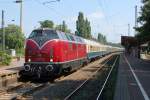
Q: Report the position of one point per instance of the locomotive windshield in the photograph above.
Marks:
(41, 36)
(48, 34)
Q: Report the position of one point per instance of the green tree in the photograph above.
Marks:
(14, 38)
(62, 27)
(58, 27)
(101, 38)
(83, 27)
(46, 24)
(144, 20)
(80, 25)
(65, 27)
(87, 30)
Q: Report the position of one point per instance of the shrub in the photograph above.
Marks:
(5, 58)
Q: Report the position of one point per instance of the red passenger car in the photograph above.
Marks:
(49, 52)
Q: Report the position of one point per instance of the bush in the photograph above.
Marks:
(20, 52)
(5, 58)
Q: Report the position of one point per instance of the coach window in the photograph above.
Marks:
(71, 37)
(75, 38)
(91, 48)
(88, 48)
(68, 37)
(80, 40)
(61, 35)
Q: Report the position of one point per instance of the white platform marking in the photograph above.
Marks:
(138, 82)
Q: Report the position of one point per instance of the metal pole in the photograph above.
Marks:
(128, 29)
(136, 25)
(3, 32)
(21, 14)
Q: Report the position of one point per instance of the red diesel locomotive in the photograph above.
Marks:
(49, 52)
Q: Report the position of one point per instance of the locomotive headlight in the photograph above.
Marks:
(27, 67)
(29, 60)
(51, 60)
(49, 68)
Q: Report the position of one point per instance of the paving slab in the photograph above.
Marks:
(127, 87)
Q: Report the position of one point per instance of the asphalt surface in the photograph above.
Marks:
(133, 81)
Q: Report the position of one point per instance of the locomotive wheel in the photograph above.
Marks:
(22, 77)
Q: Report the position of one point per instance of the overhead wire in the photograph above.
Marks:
(103, 9)
(54, 10)
(108, 17)
(101, 5)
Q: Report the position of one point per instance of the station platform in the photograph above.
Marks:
(9, 74)
(14, 63)
(133, 80)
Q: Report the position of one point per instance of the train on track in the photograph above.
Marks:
(50, 52)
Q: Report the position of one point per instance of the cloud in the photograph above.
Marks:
(95, 18)
(96, 15)
(74, 19)
(71, 19)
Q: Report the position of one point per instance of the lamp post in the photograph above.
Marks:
(21, 12)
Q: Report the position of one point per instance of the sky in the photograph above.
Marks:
(109, 17)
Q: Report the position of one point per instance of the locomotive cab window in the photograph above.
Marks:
(48, 34)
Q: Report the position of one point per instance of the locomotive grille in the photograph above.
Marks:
(36, 67)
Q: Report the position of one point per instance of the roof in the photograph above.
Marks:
(128, 41)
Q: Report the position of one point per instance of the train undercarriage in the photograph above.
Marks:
(50, 70)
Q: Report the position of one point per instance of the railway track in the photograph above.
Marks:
(58, 80)
(85, 90)
(63, 87)
(26, 90)
(21, 91)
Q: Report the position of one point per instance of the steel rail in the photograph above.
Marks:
(12, 95)
(34, 87)
(73, 92)
(8, 94)
(106, 79)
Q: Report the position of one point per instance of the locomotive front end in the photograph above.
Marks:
(40, 55)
